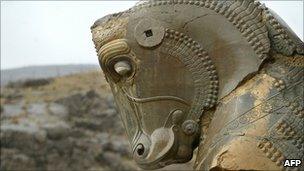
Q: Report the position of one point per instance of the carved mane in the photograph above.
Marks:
(217, 45)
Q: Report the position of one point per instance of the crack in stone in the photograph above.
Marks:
(193, 19)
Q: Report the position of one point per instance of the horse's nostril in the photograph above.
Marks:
(140, 149)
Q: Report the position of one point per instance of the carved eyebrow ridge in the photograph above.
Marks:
(113, 48)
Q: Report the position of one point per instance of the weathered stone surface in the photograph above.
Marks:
(65, 133)
(233, 68)
(11, 110)
(12, 159)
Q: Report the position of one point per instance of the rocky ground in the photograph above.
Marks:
(65, 123)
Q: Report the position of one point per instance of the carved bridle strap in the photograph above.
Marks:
(155, 98)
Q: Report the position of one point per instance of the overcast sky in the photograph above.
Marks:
(52, 32)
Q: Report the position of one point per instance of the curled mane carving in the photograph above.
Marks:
(220, 75)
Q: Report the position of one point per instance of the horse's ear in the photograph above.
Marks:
(232, 33)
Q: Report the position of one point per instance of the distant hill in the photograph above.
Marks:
(34, 72)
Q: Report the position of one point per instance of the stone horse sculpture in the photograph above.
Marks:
(225, 76)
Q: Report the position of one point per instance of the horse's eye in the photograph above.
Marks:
(122, 67)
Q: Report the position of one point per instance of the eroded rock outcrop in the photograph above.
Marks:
(42, 129)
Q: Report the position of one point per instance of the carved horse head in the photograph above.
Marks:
(168, 62)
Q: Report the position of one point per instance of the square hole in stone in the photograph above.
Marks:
(149, 33)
